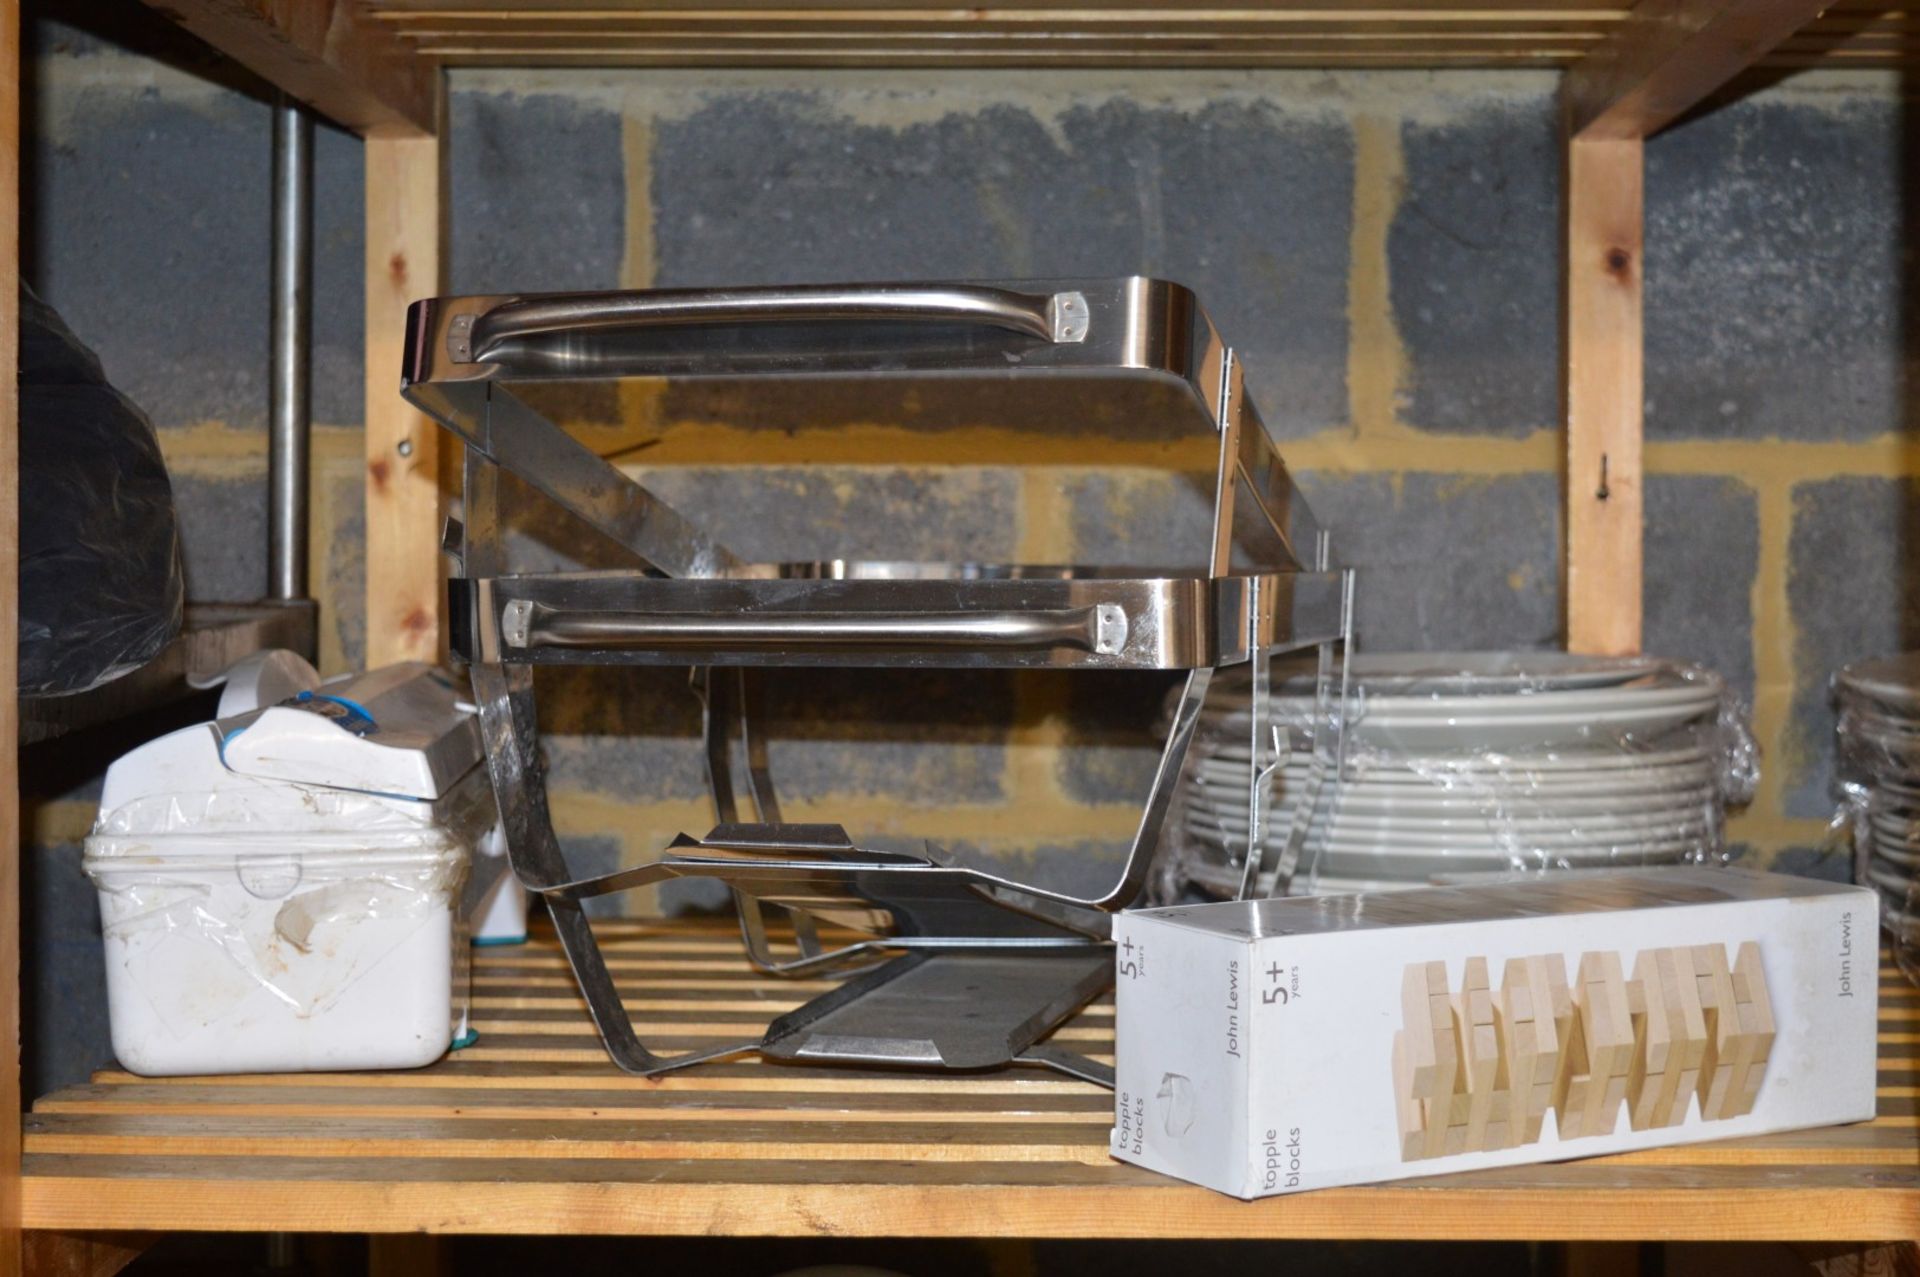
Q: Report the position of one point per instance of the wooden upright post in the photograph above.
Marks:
(10, 884)
(406, 610)
(1666, 59)
(1604, 396)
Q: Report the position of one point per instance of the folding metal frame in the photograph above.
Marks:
(1263, 584)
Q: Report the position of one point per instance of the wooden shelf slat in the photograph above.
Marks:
(493, 1140)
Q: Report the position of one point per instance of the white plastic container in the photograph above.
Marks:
(284, 890)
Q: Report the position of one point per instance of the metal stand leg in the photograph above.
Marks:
(1263, 755)
(1330, 721)
(504, 694)
(732, 700)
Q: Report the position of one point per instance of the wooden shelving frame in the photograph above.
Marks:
(375, 66)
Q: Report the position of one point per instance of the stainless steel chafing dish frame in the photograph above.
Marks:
(1264, 584)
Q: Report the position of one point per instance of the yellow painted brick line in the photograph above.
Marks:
(214, 449)
(1767, 832)
(1773, 643)
(1374, 441)
(58, 821)
(1376, 359)
(1785, 462)
(1035, 748)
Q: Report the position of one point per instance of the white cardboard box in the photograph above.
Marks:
(1274, 1046)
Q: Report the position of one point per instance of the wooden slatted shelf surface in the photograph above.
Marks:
(532, 1131)
(1321, 33)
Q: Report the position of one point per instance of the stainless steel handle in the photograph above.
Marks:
(1101, 628)
(1055, 317)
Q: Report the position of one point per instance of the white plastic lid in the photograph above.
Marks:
(399, 731)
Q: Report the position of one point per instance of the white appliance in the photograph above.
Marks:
(288, 888)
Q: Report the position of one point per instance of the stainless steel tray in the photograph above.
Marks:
(1041, 351)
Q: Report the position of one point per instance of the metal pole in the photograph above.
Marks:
(292, 323)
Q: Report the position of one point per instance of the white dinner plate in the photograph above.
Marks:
(1382, 804)
(1419, 767)
(1494, 673)
(1591, 828)
(1892, 681)
(1524, 848)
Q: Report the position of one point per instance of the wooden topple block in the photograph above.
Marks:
(1608, 1026)
(1479, 1069)
(1715, 981)
(1756, 1027)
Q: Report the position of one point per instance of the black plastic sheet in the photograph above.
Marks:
(101, 587)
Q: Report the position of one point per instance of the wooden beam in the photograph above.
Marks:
(10, 885)
(1603, 334)
(1669, 56)
(51, 1254)
(407, 1255)
(406, 591)
(326, 53)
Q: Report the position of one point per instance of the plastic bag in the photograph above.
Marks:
(1877, 785)
(101, 585)
(1460, 767)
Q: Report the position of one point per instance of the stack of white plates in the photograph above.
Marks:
(1461, 763)
(1879, 731)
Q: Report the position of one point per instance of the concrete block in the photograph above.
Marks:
(1140, 518)
(1850, 595)
(1776, 268)
(692, 898)
(223, 533)
(64, 987)
(920, 738)
(1116, 730)
(1474, 259)
(339, 278)
(802, 513)
(1702, 549)
(589, 857)
(1830, 863)
(1446, 561)
(340, 576)
(625, 732)
(1083, 868)
(759, 187)
(539, 193)
(148, 215)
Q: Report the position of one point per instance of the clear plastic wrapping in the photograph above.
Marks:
(287, 890)
(1452, 767)
(1877, 785)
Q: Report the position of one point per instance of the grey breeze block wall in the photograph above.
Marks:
(1382, 246)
